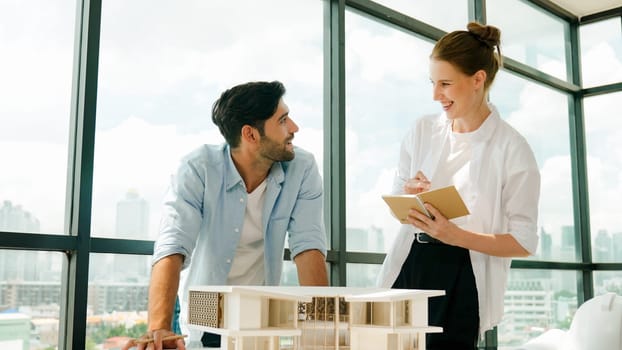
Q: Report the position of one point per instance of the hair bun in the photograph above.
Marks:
(489, 35)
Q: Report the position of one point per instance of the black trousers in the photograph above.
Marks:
(441, 266)
(210, 340)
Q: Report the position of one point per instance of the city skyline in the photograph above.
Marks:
(536, 300)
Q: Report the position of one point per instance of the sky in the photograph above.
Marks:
(162, 65)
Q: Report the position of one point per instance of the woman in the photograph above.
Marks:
(492, 166)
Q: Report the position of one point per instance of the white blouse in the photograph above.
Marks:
(501, 190)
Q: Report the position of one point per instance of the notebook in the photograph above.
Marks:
(447, 200)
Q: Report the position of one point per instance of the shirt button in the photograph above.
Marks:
(228, 261)
(241, 200)
(237, 230)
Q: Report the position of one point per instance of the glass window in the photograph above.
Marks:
(536, 301)
(601, 52)
(609, 281)
(603, 135)
(539, 43)
(434, 13)
(289, 276)
(161, 70)
(36, 67)
(30, 298)
(387, 89)
(117, 299)
(540, 114)
(362, 275)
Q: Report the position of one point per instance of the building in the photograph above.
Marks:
(29, 293)
(365, 239)
(266, 318)
(546, 245)
(567, 251)
(14, 331)
(117, 296)
(616, 245)
(603, 247)
(132, 217)
(14, 218)
(528, 308)
(132, 221)
(15, 264)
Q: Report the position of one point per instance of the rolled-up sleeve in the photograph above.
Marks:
(182, 214)
(306, 225)
(521, 195)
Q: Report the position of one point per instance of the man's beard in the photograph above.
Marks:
(276, 152)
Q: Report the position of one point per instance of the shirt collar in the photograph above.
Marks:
(486, 130)
(277, 174)
(233, 178)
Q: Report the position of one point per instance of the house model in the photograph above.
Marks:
(312, 318)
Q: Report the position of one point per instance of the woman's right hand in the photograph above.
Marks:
(417, 184)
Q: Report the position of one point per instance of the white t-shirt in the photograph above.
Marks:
(454, 164)
(248, 266)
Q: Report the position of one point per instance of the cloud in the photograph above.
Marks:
(312, 140)
(540, 108)
(34, 177)
(141, 156)
(378, 53)
(601, 52)
(556, 198)
(366, 208)
(36, 70)
(218, 43)
(599, 111)
(601, 65)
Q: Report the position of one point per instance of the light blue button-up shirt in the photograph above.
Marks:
(204, 212)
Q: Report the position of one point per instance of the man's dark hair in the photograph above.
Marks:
(246, 104)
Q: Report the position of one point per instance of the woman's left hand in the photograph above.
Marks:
(438, 226)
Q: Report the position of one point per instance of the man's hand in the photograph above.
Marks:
(156, 340)
(162, 294)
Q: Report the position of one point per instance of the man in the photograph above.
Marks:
(229, 207)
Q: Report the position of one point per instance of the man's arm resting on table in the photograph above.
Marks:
(163, 290)
(162, 293)
(311, 266)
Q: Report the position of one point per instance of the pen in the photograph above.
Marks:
(170, 337)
